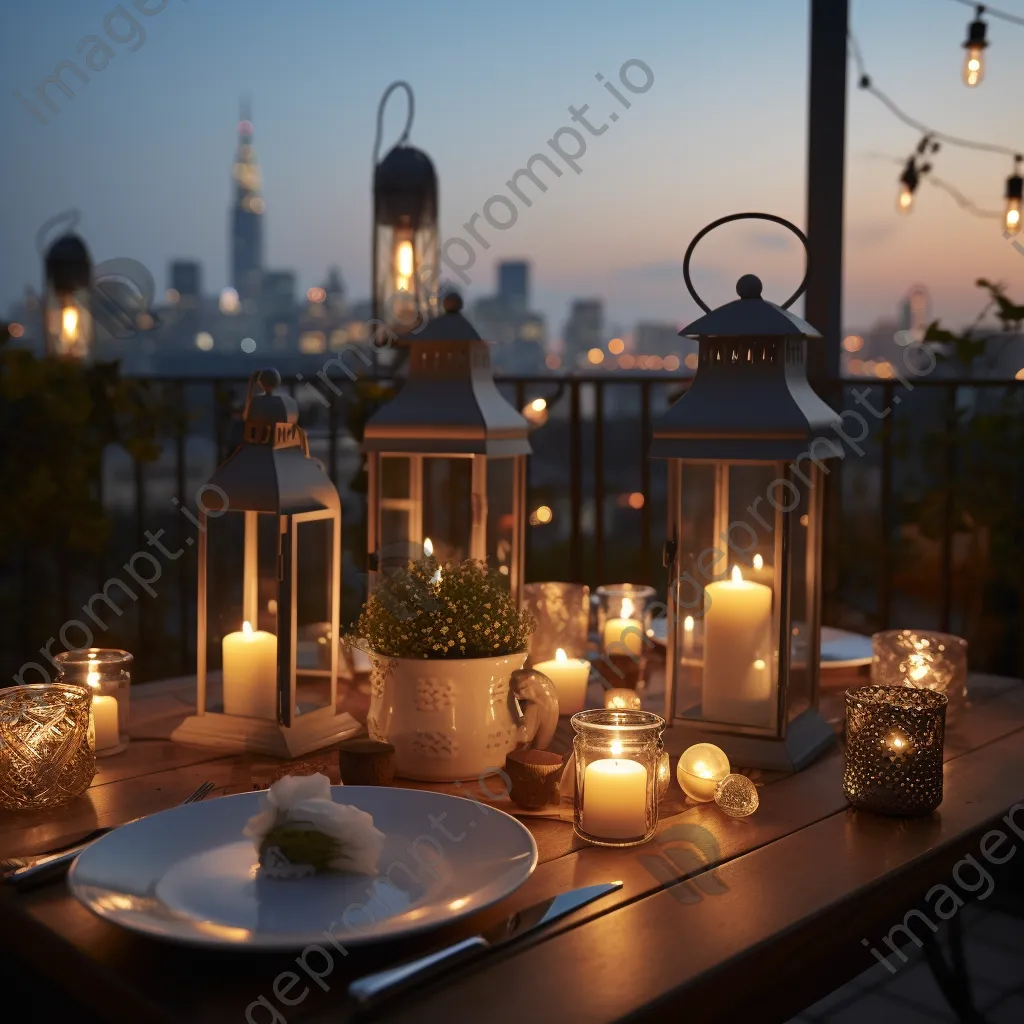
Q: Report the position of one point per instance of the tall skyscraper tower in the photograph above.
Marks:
(246, 215)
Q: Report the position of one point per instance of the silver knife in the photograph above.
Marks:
(372, 989)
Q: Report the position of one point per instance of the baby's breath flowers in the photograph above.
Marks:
(429, 610)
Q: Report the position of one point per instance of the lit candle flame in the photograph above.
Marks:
(688, 623)
(428, 548)
(758, 562)
(69, 323)
(627, 608)
(560, 655)
(616, 748)
(247, 630)
(737, 576)
(93, 678)
(403, 266)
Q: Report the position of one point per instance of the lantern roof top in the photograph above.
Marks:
(750, 314)
(449, 404)
(68, 265)
(404, 169)
(271, 470)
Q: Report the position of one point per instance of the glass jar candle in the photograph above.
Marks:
(922, 658)
(623, 617)
(45, 756)
(561, 612)
(618, 758)
(894, 741)
(106, 674)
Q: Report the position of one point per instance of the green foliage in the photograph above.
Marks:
(968, 348)
(56, 417)
(427, 610)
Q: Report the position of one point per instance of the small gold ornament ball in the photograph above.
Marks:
(737, 796)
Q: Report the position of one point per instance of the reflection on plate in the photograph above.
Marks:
(839, 649)
(189, 875)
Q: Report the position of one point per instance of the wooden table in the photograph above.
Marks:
(717, 920)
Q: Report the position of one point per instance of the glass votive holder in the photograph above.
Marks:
(700, 768)
(618, 757)
(923, 659)
(561, 612)
(894, 741)
(107, 675)
(45, 757)
(623, 614)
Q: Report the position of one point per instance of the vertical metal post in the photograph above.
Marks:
(826, 152)
(823, 304)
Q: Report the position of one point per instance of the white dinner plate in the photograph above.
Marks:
(189, 875)
(839, 649)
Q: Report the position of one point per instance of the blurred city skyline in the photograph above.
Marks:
(144, 149)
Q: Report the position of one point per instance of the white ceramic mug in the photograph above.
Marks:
(452, 720)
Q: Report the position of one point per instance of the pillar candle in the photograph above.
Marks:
(624, 631)
(570, 677)
(104, 718)
(615, 799)
(737, 685)
(250, 673)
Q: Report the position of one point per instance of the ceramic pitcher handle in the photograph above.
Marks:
(538, 693)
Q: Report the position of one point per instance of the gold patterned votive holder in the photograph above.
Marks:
(921, 658)
(107, 674)
(561, 612)
(894, 741)
(45, 756)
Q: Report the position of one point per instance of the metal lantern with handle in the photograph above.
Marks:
(67, 313)
(446, 458)
(269, 590)
(746, 449)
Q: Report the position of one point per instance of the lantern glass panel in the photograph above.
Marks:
(314, 632)
(399, 537)
(728, 607)
(242, 587)
(501, 518)
(804, 605)
(447, 506)
(404, 278)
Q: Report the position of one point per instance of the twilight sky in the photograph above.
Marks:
(145, 148)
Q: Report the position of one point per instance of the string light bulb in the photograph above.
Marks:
(908, 186)
(974, 50)
(1014, 196)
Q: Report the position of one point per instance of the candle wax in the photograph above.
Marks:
(615, 799)
(104, 717)
(569, 676)
(250, 674)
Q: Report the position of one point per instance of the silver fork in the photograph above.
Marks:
(27, 873)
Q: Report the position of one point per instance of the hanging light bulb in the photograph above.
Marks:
(974, 47)
(1014, 195)
(908, 185)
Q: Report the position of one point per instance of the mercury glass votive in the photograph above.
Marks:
(737, 796)
(923, 659)
(45, 756)
(561, 612)
(618, 756)
(107, 675)
(622, 619)
(621, 698)
(894, 739)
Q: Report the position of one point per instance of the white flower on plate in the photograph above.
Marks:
(305, 803)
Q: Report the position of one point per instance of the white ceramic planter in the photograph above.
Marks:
(451, 720)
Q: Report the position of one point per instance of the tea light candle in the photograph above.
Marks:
(700, 768)
(250, 673)
(615, 797)
(737, 685)
(104, 722)
(570, 677)
(624, 631)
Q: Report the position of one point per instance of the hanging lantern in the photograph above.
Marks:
(446, 458)
(67, 314)
(745, 449)
(269, 590)
(405, 245)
